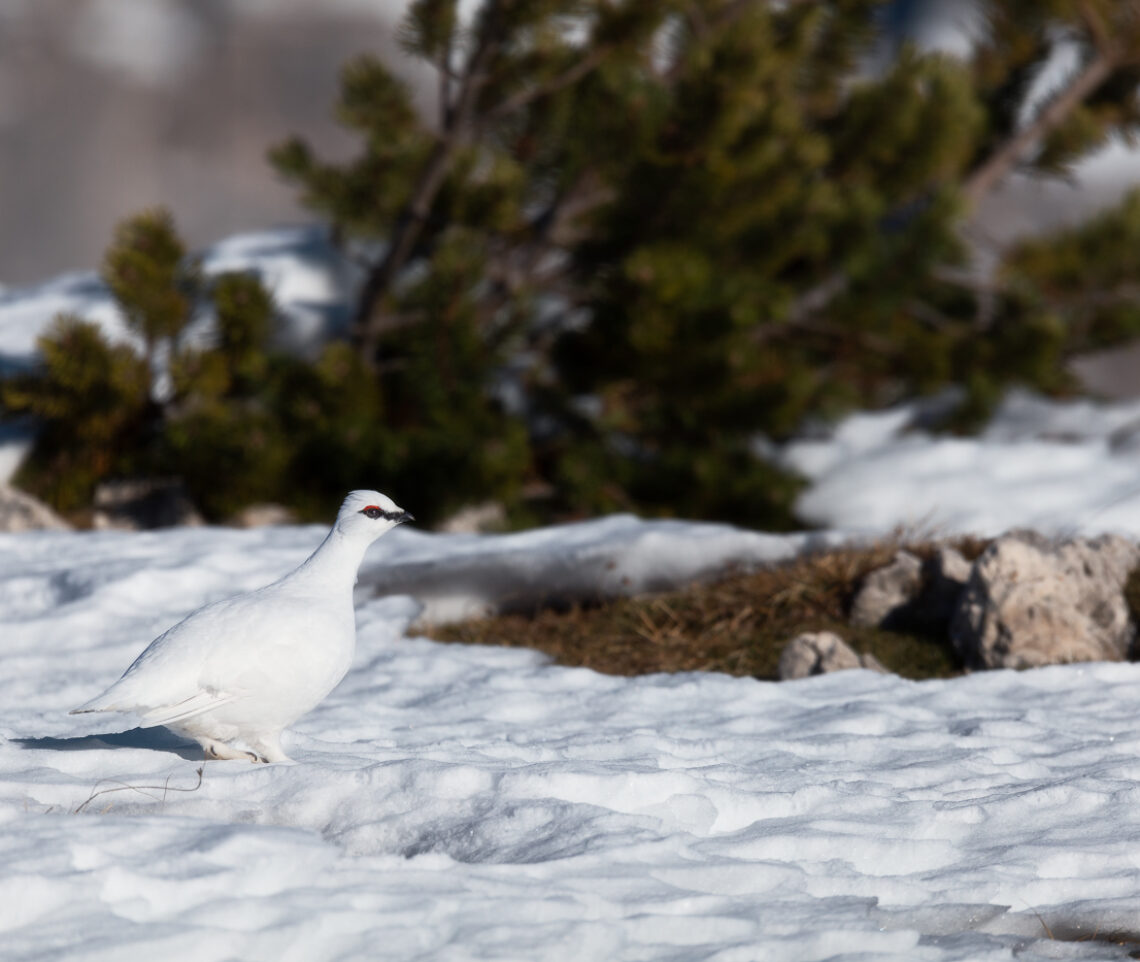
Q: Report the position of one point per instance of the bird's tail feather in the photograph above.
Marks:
(96, 704)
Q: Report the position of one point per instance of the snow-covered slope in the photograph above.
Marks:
(1058, 467)
(453, 802)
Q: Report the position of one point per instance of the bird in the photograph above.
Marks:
(235, 673)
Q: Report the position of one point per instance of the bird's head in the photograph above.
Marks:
(368, 514)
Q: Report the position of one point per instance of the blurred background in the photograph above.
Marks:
(835, 205)
(111, 106)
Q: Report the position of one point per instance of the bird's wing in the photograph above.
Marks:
(201, 701)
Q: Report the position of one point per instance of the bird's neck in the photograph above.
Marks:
(334, 563)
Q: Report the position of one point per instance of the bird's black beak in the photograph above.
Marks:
(404, 517)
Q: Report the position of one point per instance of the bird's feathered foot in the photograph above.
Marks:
(222, 752)
(261, 751)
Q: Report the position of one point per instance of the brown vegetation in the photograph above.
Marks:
(738, 625)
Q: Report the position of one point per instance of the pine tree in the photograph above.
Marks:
(637, 242)
(151, 279)
(99, 412)
(703, 222)
(90, 399)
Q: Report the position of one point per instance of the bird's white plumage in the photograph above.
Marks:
(235, 673)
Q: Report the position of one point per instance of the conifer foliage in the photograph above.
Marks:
(201, 394)
(106, 410)
(702, 221)
(635, 241)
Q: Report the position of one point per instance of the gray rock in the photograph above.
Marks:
(143, 504)
(21, 512)
(949, 565)
(819, 652)
(1030, 601)
(887, 589)
(912, 595)
(476, 519)
(261, 516)
(871, 663)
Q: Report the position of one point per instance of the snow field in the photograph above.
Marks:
(454, 802)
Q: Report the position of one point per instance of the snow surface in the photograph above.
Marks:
(1058, 467)
(456, 802)
(453, 802)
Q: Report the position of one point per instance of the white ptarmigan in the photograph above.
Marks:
(234, 674)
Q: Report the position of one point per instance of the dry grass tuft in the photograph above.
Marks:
(738, 625)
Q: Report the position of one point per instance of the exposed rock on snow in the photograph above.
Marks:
(484, 518)
(22, 512)
(261, 515)
(887, 589)
(1030, 602)
(819, 652)
(913, 594)
(143, 504)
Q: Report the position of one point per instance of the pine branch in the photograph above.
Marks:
(703, 28)
(445, 78)
(371, 316)
(1097, 30)
(815, 300)
(587, 65)
(999, 164)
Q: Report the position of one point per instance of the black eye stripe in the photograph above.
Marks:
(374, 512)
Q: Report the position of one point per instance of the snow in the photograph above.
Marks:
(463, 576)
(456, 802)
(1060, 467)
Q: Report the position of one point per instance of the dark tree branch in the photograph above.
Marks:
(578, 71)
(826, 330)
(998, 165)
(370, 319)
(1098, 30)
(815, 300)
(445, 78)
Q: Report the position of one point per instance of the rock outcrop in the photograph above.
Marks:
(887, 590)
(1031, 601)
(819, 652)
(261, 516)
(910, 594)
(22, 512)
(143, 504)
